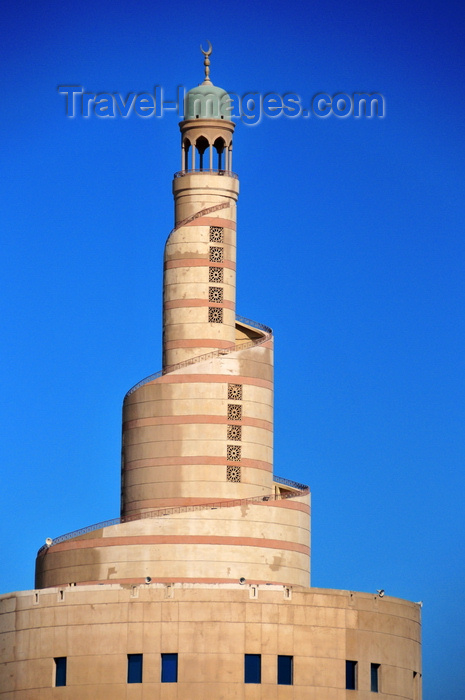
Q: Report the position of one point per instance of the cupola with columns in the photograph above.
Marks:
(206, 132)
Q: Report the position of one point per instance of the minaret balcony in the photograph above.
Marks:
(206, 171)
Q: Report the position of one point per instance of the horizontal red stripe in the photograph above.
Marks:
(187, 303)
(212, 540)
(211, 221)
(197, 262)
(175, 579)
(184, 461)
(200, 343)
(200, 419)
(175, 378)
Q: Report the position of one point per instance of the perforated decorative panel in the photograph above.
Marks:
(233, 473)
(216, 254)
(215, 294)
(234, 411)
(216, 234)
(235, 391)
(215, 315)
(215, 274)
(234, 432)
(233, 453)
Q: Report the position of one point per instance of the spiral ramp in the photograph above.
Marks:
(199, 502)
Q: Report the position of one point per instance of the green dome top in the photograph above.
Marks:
(206, 101)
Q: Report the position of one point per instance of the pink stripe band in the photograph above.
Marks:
(181, 540)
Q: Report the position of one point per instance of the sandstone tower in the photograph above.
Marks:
(201, 587)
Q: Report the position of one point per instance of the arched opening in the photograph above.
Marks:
(219, 145)
(203, 148)
(207, 151)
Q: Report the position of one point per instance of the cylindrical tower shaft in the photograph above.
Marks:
(199, 290)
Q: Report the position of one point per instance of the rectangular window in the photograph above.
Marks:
(374, 678)
(169, 668)
(252, 668)
(351, 675)
(416, 685)
(285, 668)
(60, 671)
(134, 668)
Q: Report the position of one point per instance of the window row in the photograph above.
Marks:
(169, 669)
(233, 452)
(352, 676)
(252, 670)
(215, 294)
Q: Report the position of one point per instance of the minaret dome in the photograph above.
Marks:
(206, 132)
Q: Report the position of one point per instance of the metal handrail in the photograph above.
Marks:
(215, 353)
(254, 324)
(207, 171)
(160, 512)
(288, 482)
(198, 215)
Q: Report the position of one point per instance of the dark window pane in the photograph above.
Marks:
(134, 668)
(374, 678)
(169, 668)
(351, 675)
(285, 664)
(60, 671)
(252, 668)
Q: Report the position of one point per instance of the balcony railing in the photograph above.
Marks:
(207, 171)
(288, 482)
(160, 512)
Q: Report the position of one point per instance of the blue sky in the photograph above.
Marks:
(350, 246)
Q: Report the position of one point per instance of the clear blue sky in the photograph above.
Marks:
(351, 247)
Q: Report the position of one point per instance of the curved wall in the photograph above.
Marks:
(263, 541)
(180, 437)
(200, 285)
(210, 628)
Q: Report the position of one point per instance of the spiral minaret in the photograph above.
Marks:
(199, 501)
(200, 588)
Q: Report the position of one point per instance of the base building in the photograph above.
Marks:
(201, 588)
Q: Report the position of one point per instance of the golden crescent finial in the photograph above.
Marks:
(209, 50)
(206, 63)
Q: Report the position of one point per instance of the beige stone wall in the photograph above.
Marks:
(263, 541)
(202, 433)
(180, 443)
(195, 192)
(190, 258)
(210, 628)
(177, 440)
